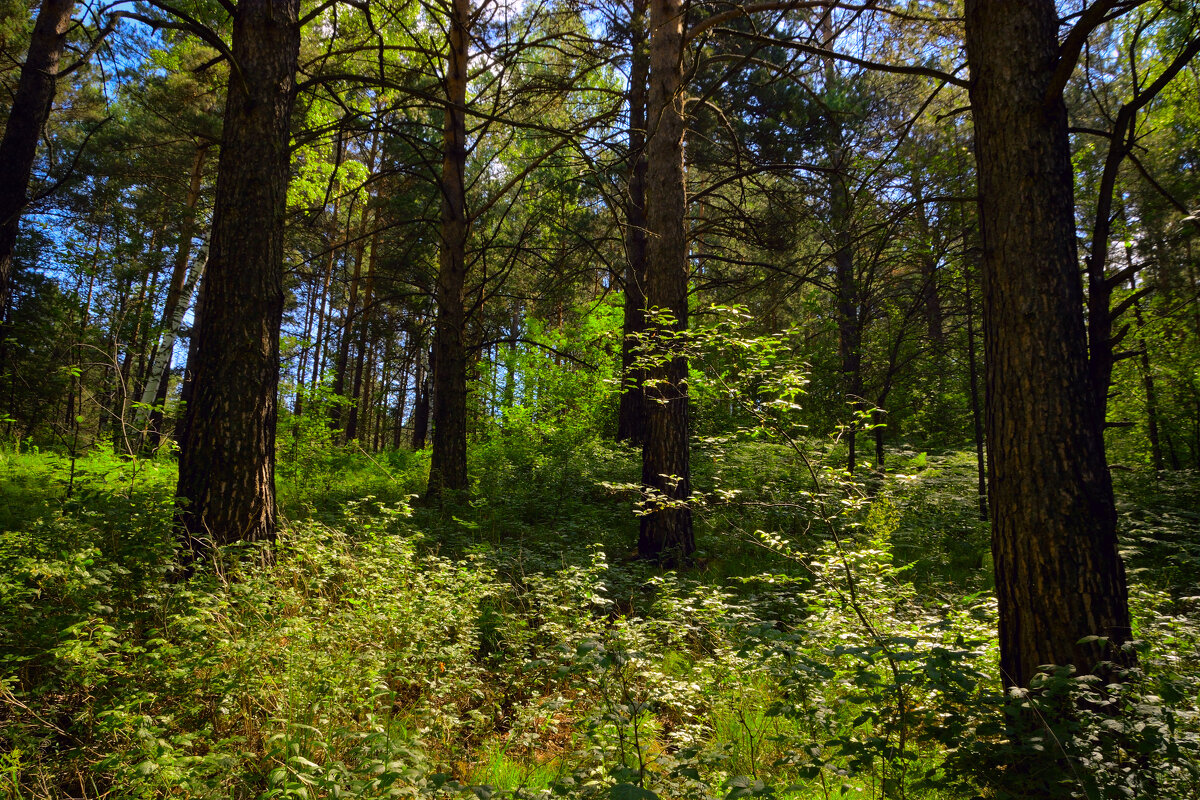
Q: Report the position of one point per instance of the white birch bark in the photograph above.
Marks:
(166, 347)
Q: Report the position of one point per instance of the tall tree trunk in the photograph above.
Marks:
(310, 316)
(402, 398)
(421, 402)
(150, 403)
(1156, 453)
(226, 487)
(26, 119)
(363, 326)
(976, 405)
(448, 465)
(849, 316)
(322, 313)
(631, 415)
(666, 527)
(1059, 577)
(147, 330)
(179, 275)
(339, 413)
(931, 298)
(187, 380)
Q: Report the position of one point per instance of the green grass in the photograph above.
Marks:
(509, 641)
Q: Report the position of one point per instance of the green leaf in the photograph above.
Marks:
(627, 791)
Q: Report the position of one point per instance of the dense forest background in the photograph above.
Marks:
(655, 398)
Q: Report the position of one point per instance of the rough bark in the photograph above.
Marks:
(448, 462)
(226, 487)
(631, 413)
(28, 115)
(1059, 576)
(666, 526)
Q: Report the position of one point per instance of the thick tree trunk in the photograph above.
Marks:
(631, 415)
(1059, 576)
(666, 527)
(448, 465)
(226, 487)
(28, 115)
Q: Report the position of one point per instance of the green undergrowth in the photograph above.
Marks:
(509, 645)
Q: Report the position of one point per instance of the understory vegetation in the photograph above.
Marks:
(510, 645)
(600, 399)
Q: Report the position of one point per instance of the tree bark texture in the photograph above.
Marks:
(226, 487)
(631, 413)
(448, 462)
(666, 527)
(28, 115)
(1059, 577)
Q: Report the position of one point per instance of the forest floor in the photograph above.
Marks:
(511, 644)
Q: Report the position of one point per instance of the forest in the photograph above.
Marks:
(613, 399)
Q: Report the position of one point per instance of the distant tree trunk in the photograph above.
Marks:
(339, 413)
(928, 261)
(1059, 577)
(179, 275)
(448, 466)
(147, 333)
(421, 402)
(402, 398)
(149, 403)
(380, 412)
(363, 325)
(226, 489)
(310, 316)
(976, 405)
(847, 300)
(1156, 453)
(666, 530)
(322, 301)
(26, 119)
(187, 382)
(632, 413)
